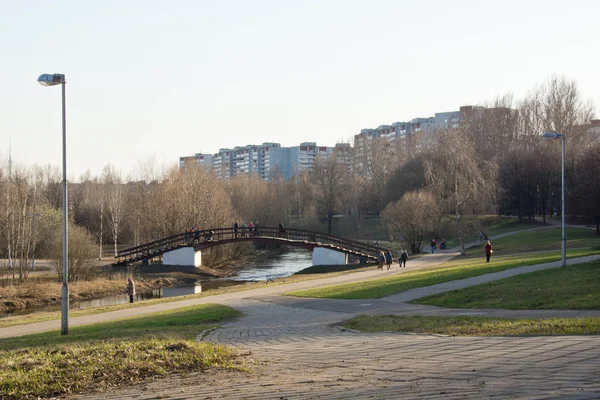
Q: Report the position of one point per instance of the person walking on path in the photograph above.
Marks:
(381, 260)
(433, 246)
(488, 251)
(403, 259)
(130, 289)
(389, 259)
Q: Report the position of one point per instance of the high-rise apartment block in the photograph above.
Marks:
(270, 160)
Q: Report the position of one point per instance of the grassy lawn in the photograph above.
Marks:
(475, 326)
(494, 225)
(575, 287)
(105, 355)
(545, 239)
(453, 270)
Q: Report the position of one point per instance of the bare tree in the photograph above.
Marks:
(330, 181)
(463, 186)
(412, 217)
(115, 201)
(588, 183)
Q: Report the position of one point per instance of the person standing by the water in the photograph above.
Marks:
(130, 289)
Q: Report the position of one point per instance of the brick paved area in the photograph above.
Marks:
(295, 353)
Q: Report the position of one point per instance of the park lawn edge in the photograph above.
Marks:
(571, 288)
(386, 286)
(473, 326)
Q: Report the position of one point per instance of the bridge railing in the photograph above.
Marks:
(157, 247)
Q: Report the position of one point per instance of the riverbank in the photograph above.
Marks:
(42, 289)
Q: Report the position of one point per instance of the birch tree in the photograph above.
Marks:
(115, 205)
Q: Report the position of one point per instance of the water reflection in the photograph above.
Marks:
(279, 266)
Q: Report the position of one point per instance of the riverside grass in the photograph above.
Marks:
(106, 355)
(382, 287)
(509, 252)
(474, 326)
(573, 288)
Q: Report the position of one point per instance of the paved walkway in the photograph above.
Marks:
(297, 351)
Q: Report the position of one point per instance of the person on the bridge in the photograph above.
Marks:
(403, 259)
(189, 234)
(251, 228)
(243, 230)
(209, 236)
(256, 228)
(197, 235)
(488, 251)
(381, 260)
(281, 230)
(433, 246)
(130, 289)
(389, 259)
(235, 229)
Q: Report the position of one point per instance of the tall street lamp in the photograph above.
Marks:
(53, 80)
(555, 135)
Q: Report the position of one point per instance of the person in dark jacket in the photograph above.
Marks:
(389, 259)
(403, 259)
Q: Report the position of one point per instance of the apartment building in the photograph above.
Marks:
(204, 160)
(222, 163)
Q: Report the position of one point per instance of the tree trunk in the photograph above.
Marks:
(101, 218)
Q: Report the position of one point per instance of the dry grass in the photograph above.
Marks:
(41, 291)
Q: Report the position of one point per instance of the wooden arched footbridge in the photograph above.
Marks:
(200, 240)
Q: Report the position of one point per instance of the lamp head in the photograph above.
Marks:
(552, 135)
(51, 79)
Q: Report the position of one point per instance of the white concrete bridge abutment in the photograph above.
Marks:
(183, 256)
(325, 256)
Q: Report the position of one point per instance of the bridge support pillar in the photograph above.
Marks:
(324, 256)
(183, 256)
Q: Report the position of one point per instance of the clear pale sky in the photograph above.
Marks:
(164, 79)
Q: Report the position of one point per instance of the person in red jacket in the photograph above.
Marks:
(488, 251)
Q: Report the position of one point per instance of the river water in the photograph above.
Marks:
(280, 265)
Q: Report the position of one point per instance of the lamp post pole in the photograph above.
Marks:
(64, 320)
(555, 135)
(52, 80)
(562, 212)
